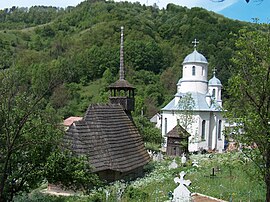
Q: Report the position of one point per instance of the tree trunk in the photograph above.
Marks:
(267, 174)
(3, 178)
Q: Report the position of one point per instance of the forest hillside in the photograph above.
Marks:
(81, 45)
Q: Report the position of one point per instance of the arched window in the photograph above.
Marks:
(203, 130)
(214, 93)
(219, 129)
(166, 122)
(193, 71)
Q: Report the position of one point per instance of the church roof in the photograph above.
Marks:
(199, 100)
(214, 81)
(178, 132)
(121, 83)
(109, 138)
(195, 56)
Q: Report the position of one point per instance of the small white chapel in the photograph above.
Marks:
(207, 123)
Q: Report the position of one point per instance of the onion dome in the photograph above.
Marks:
(196, 57)
(214, 81)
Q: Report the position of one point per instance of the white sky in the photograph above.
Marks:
(208, 4)
(235, 9)
(29, 3)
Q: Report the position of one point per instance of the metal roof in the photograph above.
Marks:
(214, 81)
(196, 57)
(199, 100)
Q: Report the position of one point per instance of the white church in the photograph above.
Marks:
(207, 124)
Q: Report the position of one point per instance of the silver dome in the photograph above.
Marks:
(195, 56)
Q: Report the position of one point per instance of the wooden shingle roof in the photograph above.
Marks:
(109, 138)
(178, 132)
(121, 83)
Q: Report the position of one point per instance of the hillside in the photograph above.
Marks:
(81, 44)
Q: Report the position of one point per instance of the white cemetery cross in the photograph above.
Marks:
(181, 193)
(150, 153)
(195, 163)
(183, 159)
(173, 165)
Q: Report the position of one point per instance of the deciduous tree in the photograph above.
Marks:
(28, 133)
(30, 136)
(186, 107)
(249, 103)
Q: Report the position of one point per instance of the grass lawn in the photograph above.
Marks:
(235, 178)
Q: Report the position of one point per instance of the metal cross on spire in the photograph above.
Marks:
(122, 68)
(214, 71)
(195, 42)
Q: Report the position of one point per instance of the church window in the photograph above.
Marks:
(219, 129)
(166, 122)
(203, 71)
(203, 130)
(214, 93)
(193, 71)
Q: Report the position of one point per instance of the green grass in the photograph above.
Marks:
(235, 178)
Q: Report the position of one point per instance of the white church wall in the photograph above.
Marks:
(197, 73)
(200, 87)
(194, 129)
(196, 143)
(198, 81)
(221, 140)
(203, 144)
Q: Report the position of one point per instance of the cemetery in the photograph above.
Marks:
(205, 177)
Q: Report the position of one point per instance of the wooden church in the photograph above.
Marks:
(107, 134)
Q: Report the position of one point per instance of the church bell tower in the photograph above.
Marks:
(122, 92)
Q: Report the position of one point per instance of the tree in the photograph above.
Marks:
(66, 169)
(249, 98)
(30, 135)
(148, 131)
(186, 106)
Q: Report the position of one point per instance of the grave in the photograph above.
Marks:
(173, 165)
(195, 163)
(181, 193)
(183, 159)
(158, 157)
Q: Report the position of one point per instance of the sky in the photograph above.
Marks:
(234, 9)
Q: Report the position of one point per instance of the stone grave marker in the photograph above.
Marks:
(173, 165)
(195, 163)
(181, 193)
(158, 157)
(183, 159)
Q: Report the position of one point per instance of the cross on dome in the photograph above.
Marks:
(195, 42)
(214, 71)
